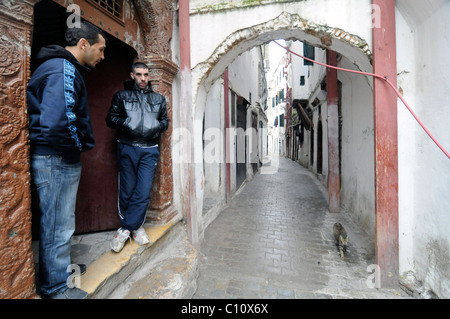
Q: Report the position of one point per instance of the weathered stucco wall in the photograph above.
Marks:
(357, 158)
(229, 28)
(424, 176)
(233, 31)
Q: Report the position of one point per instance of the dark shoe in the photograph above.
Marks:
(70, 293)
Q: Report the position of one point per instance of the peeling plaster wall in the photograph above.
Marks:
(423, 78)
(357, 158)
(353, 16)
(317, 22)
(215, 180)
(424, 185)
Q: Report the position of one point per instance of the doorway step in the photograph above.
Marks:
(165, 268)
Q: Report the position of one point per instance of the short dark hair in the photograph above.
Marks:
(140, 65)
(86, 30)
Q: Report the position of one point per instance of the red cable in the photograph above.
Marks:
(388, 82)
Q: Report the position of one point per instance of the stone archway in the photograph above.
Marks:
(285, 26)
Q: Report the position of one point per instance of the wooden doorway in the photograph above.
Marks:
(96, 208)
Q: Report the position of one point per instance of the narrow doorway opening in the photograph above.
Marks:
(319, 146)
(241, 141)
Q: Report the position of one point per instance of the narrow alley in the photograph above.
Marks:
(275, 240)
(347, 100)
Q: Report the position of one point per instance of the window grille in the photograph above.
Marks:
(113, 7)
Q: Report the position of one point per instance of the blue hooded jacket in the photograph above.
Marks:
(59, 117)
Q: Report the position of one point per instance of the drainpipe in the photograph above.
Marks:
(386, 150)
(333, 134)
(186, 107)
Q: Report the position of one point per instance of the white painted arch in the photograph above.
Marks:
(284, 26)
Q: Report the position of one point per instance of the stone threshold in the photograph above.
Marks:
(103, 274)
(108, 270)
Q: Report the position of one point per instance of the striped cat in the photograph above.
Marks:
(340, 237)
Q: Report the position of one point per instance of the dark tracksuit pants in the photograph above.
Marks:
(136, 169)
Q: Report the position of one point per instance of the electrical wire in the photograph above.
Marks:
(384, 78)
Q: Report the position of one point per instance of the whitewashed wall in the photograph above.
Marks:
(423, 43)
(243, 80)
(357, 158)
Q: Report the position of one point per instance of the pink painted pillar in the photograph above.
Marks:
(386, 151)
(187, 118)
(333, 134)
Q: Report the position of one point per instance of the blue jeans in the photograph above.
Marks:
(136, 170)
(57, 186)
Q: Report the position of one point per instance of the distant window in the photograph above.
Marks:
(281, 94)
(112, 7)
(282, 120)
(308, 52)
(302, 80)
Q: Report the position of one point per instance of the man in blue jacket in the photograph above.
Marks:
(60, 129)
(139, 115)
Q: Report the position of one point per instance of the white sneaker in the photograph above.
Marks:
(119, 239)
(140, 236)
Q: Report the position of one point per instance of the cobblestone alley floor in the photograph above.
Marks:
(275, 240)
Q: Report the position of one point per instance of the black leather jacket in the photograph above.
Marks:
(139, 116)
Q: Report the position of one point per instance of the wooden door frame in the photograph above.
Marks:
(16, 18)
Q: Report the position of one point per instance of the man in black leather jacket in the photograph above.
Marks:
(139, 115)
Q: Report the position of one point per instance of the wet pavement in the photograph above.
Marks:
(275, 240)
